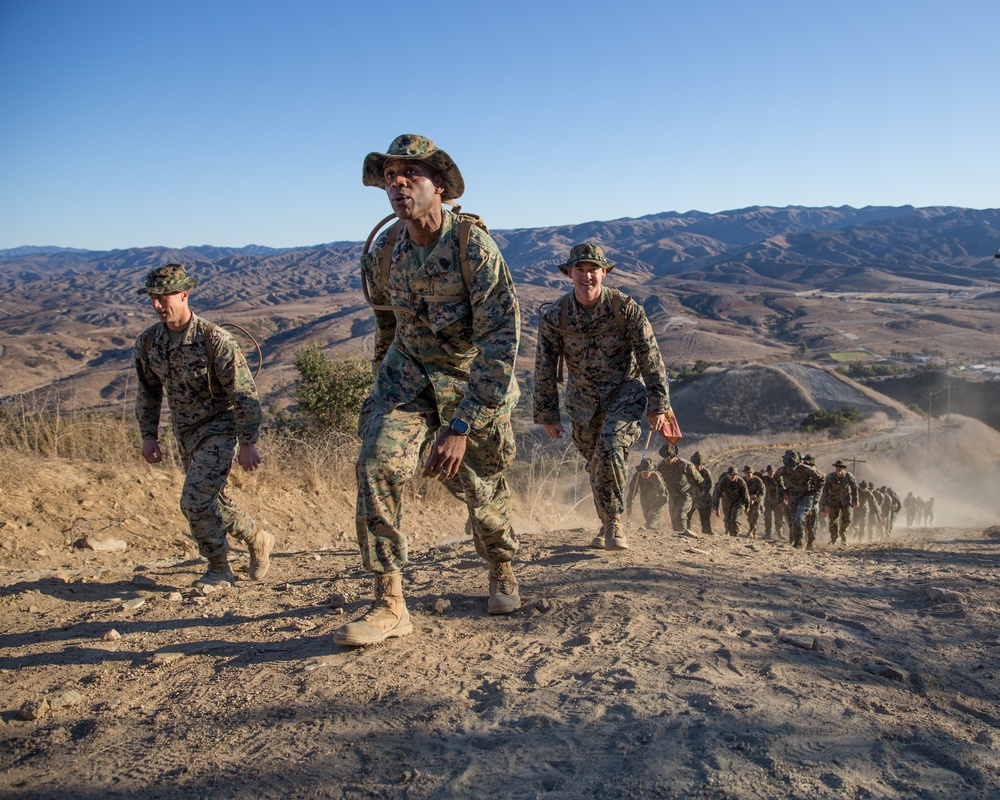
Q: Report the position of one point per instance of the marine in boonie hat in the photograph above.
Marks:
(411, 147)
(168, 279)
(587, 252)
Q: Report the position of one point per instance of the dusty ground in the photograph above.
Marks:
(710, 667)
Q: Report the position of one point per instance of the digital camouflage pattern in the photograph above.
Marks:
(211, 513)
(839, 497)
(587, 253)
(614, 379)
(652, 497)
(702, 501)
(839, 490)
(619, 375)
(211, 412)
(773, 514)
(453, 358)
(200, 403)
(410, 146)
(683, 482)
(480, 324)
(390, 456)
(799, 485)
(757, 491)
(168, 279)
(731, 496)
(867, 509)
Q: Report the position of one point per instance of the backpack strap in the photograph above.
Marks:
(147, 347)
(385, 257)
(465, 224)
(616, 309)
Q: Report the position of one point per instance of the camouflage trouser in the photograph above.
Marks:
(860, 522)
(210, 512)
(840, 521)
(654, 515)
(798, 519)
(731, 516)
(681, 506)
(704, 514)
(390, 456)
(774, 519)
(874, 524)
(753, 517)
(604, 445)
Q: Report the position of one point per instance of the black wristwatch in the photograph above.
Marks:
(460, 426)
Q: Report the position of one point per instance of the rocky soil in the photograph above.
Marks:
(683, 667)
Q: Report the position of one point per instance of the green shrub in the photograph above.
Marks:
(830, 418)
(330, 392)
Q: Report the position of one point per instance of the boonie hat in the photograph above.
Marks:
(669, 450)
(590, 252)
(731, 471)
(645, 465)
(410, 147)
(168, 279)
(748, 468)
(839, 463)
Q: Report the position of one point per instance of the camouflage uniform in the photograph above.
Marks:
(614, 378)
(799, 484)
(876, 522)
(910, 508)
(868, 509)
(731, 496)
(652, 496)
(452, 358)
(840, 498)
(895, 507)
(702, 497)
(683, 482)
(211, 411)
(757, 490)
(773, 516)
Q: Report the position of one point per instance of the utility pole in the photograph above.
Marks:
(949, 402)
(854, 465)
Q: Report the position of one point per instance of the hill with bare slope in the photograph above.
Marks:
(760, 285)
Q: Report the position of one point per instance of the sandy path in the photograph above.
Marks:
(673, 669)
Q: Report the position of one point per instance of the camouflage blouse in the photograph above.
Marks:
(202, 402)
(620, 373)
(461, 341)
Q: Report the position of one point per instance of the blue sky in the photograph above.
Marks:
(178, 123)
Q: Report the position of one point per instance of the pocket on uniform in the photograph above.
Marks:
(443, 314)
(497, 448)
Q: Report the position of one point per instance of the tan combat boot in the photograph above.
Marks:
(614, 536)
(260, 548)
(386, 619)
(219, 572)
(504, 598)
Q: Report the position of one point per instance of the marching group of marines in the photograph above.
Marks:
(447, 331)
(790, 498)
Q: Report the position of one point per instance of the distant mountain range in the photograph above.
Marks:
(752, 285)
(779, 247)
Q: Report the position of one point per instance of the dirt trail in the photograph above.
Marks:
(683, 667)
